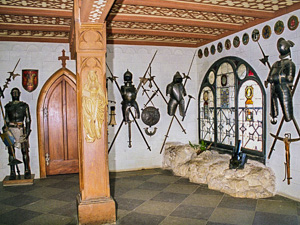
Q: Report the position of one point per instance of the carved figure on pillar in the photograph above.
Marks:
(18, 121)
(128, 92)
(281, 77)
(177, 91)
(94, 105)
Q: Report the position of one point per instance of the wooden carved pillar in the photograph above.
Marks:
(95, 205)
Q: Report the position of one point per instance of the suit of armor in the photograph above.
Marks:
(17, 118)
(281, 77)
(128, 92)
(177, 92)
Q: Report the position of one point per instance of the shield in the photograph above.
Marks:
(150, 116)
(8, 138)
(30, 80)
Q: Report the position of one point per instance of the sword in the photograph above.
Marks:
(287, 141)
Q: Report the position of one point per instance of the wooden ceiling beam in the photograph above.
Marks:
(160, 33)
(34, 39)
(23, 11)
(32, 27)
(174, 4)
(86, 7)
(177, 21)
(151, 43)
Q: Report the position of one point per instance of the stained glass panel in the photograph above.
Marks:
(225, 105)
(250, 102)
(207, 119)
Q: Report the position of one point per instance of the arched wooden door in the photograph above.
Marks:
(57, 125)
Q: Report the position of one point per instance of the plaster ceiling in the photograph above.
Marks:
(184, 23)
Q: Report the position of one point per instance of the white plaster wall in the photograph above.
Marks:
(41, 56)
(251, 54)
(136, 59)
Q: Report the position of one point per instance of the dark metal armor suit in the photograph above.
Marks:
(281, 77)
(128, 92)
(17, 116)
(177, 92)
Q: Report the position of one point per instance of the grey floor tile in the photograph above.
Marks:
(203, 200)
(49, 219)
(153, 186)
(238, 203)
(70, 210)
(274, 219)
(163, 179)
(134, 218)
(204, 190)
(118, 191)
(127, 204)
(213, 223)
(127, 183)
(19, 200)
(63, 184)
(193, 212)
(67, 196)
(20, 189)
(232, 216)
(140, 194)
(157, 208)
(18, 216)
(6, 208)
(181, 188)
(44, 192)
(278, 207)
(171, 220)
(44, 205)
(170, 197)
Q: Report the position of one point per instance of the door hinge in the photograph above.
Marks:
(47, 158)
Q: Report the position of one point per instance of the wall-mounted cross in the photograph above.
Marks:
(63, 58)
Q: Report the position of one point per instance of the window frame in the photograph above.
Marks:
(235, 62)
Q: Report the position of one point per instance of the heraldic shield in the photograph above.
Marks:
(30, 80)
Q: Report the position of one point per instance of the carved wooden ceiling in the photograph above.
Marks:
(184, 23)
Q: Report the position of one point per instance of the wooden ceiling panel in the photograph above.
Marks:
(182, 23)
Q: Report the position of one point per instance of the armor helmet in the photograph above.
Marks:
(177, 78)
(15, 94)
(283, 47)
(128, 76)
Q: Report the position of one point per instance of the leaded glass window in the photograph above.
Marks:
(231, 107)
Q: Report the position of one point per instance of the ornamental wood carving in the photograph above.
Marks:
(90, 37)
(94, 103)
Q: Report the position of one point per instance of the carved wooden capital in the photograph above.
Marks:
(92, 37)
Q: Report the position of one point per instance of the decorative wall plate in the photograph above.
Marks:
(255, 35)
(236, 41)
(266, 32)
(206, 52)
(245, 39)
(220, 47)
(200, 53)
(213, 49)
(227, 44)
(279, 27)
(211, 77)
(293, 23)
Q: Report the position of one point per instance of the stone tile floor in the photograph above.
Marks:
(145, 197)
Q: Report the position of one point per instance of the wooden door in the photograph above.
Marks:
(57, 121)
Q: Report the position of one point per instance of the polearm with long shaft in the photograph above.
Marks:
(169, 128)
(113, 78)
